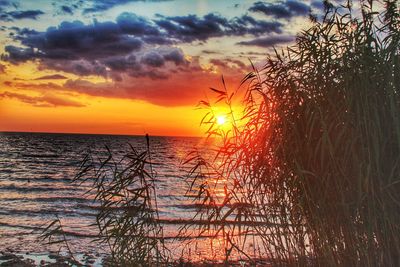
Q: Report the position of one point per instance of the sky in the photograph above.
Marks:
(129, 66)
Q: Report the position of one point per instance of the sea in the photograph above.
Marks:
(36, 187)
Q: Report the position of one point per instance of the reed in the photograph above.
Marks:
(127, 217)
(318, 157)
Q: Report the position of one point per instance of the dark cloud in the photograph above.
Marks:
(42, 101)
(153, 59)
(158, 58)
(248, 25)
(66, 10)
(122, 63)
(190, 28)
(176, 56)
(16, 15)
(78, 67)
(103, 5)
(193, 28)
(130, 23)
(269, 41)
(145, 65)
(19, 34)
(6, 4)
(284, 9)
(52, 77)
(18, 54)
(75, 40)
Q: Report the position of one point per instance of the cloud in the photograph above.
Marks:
(94, 89)
(319, 5)
(183, 89)
(76, 41)
(130, 23)
(248, 25)
(25, 14)
(2, 69)
(5, 4)
(269, 41)
(52, 77)
(18, 54)
(284, 9)
(153, 59)
(176, 56)
(206, 51)
(193, 28)
(42, 101)
(103, 5)
(138, 57)
(66, 10)
(158, 58)
(190, 28)
(73, 41)
(79, 67)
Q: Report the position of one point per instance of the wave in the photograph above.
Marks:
(14, 187)
(40, 229)
(50, 199)
(45, 212)
(40, 155)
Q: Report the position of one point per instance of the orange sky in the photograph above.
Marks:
(131, 67)
(31, 105)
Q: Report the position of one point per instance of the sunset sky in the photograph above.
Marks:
(131, 67)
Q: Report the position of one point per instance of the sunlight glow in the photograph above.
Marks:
(221, 120)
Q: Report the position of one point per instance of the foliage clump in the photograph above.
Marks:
(316, 165)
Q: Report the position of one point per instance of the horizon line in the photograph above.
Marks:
(116, 134)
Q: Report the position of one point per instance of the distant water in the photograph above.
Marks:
(35, 185)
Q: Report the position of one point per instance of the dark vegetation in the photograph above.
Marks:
(311, 168)
(318, 155)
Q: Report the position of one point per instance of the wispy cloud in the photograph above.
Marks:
(16, 15)
(103, 5)
(286, 9)
(52, 77)
(269, 41)
(42, 101)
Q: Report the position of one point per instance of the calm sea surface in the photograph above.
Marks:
(35, 186)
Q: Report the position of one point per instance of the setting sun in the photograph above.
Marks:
(221, 120)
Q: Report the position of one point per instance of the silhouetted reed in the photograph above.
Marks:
(317, 158)
(127, 217)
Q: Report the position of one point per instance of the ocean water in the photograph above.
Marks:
(36, 187)
(36, 172)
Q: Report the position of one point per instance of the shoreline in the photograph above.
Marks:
(50, 259)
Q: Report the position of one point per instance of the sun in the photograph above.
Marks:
(221, 120)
